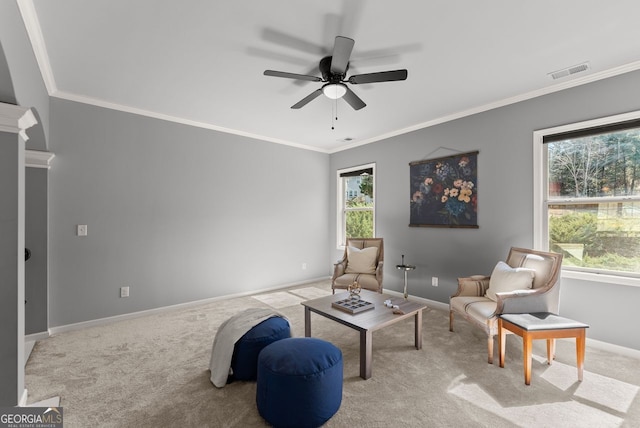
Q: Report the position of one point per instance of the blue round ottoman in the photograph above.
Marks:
(299, 382)
(244, 361)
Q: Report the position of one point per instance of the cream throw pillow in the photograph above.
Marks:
(361, 261)
(505, 278)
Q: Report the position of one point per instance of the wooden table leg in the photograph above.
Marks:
(502, 336)
(526, 354)
(551, 350)
(550, 335)
(580, 345)
(365, 354)
(307, 322)
(418, 332)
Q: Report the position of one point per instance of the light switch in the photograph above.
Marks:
(81, 230)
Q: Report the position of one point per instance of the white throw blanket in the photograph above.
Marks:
(228, 334)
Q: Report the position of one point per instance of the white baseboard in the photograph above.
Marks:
(23, 398)
(30, 341)
(28, 348)
(49, 402)
(116, 318)
(34, 337)
(605, 346)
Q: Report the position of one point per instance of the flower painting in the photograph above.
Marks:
(444, 191)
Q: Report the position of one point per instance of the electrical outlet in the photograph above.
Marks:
(124, 291)
(81, 230)
(434, 281)
(304, 266)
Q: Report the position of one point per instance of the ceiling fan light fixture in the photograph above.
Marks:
(334, 90)
(333, 69)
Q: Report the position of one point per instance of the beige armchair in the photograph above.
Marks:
(362, 262)
(528, 282)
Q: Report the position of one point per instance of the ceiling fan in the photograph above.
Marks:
(334, 71)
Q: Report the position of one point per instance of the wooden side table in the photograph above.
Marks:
(541, 325)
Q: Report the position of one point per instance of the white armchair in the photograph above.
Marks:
(528, 282)
(367, 259)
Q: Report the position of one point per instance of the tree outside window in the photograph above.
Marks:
(593, 198)
(356, 203)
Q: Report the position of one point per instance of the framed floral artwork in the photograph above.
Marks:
(444, 191)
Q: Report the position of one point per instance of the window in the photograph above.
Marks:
(356, 203)
(587, 195)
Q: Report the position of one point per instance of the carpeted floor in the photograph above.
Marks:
(153, 372)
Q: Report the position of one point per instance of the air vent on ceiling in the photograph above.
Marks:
(569, 71)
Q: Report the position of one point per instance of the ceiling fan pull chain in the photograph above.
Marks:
(334, 113)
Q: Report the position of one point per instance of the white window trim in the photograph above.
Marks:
(339, 200)
(540, 236)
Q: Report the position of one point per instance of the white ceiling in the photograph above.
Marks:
(200, 62)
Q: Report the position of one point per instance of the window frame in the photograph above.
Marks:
(340, 203)
(540, 197)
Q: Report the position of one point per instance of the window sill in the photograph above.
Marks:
(599, 277)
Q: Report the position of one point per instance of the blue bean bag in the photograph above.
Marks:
(244, 362)
(299, 382)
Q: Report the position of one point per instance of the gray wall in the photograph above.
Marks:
(36, 268)
(176, 213)
(504, 138)
(11, 268)
(7, 94)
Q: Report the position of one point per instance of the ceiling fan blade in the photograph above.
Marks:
(303, 102)
(382, 76)
(280, 38)
(341, 54)
(274, 73)
(353, 100)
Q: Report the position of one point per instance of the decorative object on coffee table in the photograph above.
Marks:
(354, 289)
(353, 304)
(406, 269)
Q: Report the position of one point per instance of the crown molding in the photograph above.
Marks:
(38, 159)
(34, 31)
(169, 118)
(616, 71)
(16, 119)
